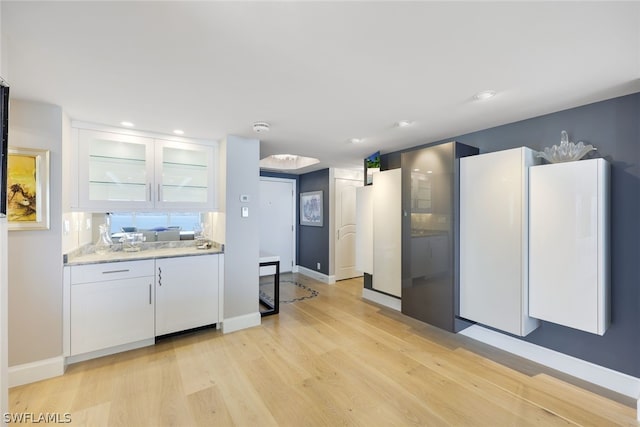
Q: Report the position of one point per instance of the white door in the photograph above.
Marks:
(346, 228)
(277, 220)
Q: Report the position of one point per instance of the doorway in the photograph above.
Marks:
(277, 220)
(345, 214)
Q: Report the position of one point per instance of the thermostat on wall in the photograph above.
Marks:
(244, 197)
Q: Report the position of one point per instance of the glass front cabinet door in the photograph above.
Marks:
(129, 172)
(115, 171)
(184, 175)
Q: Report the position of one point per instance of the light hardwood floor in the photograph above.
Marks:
(329, 361)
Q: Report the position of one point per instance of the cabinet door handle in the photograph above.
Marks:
(159, 195)
(159, 276)
(115, 271)
(149, 293)
(150, 199)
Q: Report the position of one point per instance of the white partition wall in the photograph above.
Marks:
(569, 257)
(387, 232)
(494, 240)
(364, 229)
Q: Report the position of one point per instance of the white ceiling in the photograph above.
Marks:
(320, 73)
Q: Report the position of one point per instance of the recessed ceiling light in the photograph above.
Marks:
(416, 170)
(429, 171)
(178, 132)
(356, 140)
(484, 95)
(403, 123)
(127, 124)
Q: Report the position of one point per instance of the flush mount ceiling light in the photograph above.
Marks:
(178, 132)
(287, 162)
(484, 95)
(285, 157)
(261, 127)
(126, 124)
(356, 140)
(403, 123)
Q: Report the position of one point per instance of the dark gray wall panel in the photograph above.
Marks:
(613, 126)
(314, 241)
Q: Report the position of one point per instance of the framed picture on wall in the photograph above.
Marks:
(28, 189)
(311, 208)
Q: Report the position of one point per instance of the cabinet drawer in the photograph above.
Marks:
(111, 271)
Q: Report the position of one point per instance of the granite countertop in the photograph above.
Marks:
(87, 254)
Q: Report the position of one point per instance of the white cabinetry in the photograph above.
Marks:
(118, 306)
(185, 176)
(120, 171)
(111, 305)
(569, 242)
(364, 229)
(186, 293)
(494, 283)
(114, 171)
(387, 232)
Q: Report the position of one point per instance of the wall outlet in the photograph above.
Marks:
(318, 266)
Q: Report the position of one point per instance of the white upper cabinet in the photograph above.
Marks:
(494, 282)
(120, 171)
(185, 175)
(569, 258)
(115, 171)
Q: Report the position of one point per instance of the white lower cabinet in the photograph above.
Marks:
(116, 306)
(186, 293)
(111, 305)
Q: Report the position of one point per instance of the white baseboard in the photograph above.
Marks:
(36, 371)
(382, 299)
(294, 269)
(109, 351)
(624, 384)
(237, 323)
(330, 280)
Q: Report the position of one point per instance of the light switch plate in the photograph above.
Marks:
(245, 212)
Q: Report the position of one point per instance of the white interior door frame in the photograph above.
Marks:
(294, 211)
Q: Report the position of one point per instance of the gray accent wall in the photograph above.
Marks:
(314, 241)
(242, 240)
(613, 126)
(35, 257)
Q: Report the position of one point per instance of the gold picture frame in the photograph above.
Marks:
(27, 189)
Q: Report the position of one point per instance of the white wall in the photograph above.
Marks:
(35, 257)
(242, 242)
